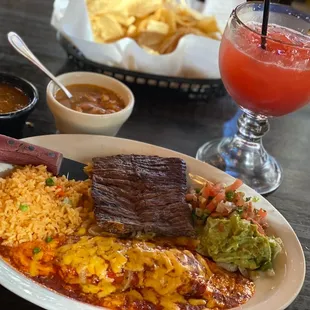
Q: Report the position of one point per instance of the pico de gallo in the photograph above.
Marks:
(231, 230)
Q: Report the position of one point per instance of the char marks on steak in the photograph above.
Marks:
(136, 193)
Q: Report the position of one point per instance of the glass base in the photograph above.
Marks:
(245, 160)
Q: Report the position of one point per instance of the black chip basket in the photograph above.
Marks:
(203, 89)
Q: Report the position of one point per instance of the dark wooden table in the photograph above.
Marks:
(177, 124)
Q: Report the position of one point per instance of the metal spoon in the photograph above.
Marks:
(17, 42)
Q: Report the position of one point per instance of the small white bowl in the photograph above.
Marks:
(73, 122)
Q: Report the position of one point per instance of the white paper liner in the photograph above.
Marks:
(194, 57)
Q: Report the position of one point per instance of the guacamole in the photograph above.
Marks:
(237, 241)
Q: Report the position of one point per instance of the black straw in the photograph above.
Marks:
(265, 23)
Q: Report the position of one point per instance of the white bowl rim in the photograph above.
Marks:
(84, 115)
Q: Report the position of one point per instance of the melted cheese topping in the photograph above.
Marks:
(130, 274)
(162, 276)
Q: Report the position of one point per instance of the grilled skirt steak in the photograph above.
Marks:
(135, 193)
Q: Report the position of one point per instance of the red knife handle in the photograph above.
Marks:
(17, 152)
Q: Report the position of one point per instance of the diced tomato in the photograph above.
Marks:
(211, 206)
(214, 190)
(221, 227)
(206, 191)
(262, 213)
(135, 280)
(214, 202)
(215, 214)
(234, 186)
(59, 190)
(211, 190)
(225, 213)
(244, 214)
(239, 200)
(251, 211)
(259, 227)
(218, 214)
(189, 197)
(117, 279)
(111, 274)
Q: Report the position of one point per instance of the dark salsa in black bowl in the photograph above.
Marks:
(18, 98)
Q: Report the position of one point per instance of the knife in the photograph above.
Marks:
(20, 153)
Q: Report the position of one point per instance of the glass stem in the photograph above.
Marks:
(244, 156)
(247, 142)
(252, 128)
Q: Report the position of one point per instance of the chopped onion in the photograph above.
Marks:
(270, 273)
(129, 279)
(86, 223)
(95, 230)
(244, 272)
(225, 206)
(254, 275)
(83, 276)
(67, 201)
(228, 267)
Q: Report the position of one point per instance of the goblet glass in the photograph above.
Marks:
(266, 81)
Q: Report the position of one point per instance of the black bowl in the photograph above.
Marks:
(12, 124)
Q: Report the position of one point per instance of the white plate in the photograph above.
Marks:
(271, 293)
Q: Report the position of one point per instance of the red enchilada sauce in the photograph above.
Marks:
(91, 99)
(222, 290)
(12, 99)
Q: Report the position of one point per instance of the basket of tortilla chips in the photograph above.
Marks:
(146, 39)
